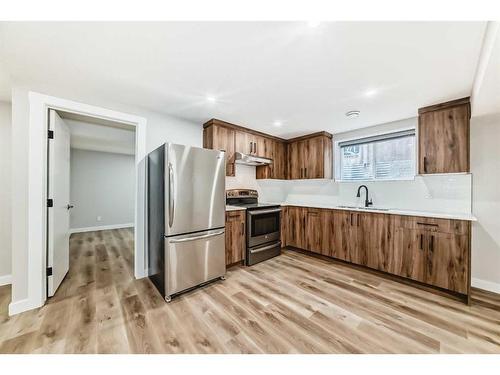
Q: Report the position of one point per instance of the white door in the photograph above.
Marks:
(58, 214)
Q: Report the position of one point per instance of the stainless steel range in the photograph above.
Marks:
(263, 225)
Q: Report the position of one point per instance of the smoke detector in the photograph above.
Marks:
(352, 114)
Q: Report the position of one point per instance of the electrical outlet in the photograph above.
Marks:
(99, 218)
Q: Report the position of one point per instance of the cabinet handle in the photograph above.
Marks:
(351, 220)
(357, 220)
(305, 172)
(425, 164)
(242, 228)
(428, 224)
(421, 242)
(254, 147)
(431, 244)
(250, 147)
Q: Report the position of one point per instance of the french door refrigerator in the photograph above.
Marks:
(185, 217)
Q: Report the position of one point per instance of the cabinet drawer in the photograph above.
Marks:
(434, 224)
(235, 215)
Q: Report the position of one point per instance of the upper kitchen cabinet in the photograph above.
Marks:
(216, 136)
(443, 133)
(276, 151)
(250, 143)
(310, 156)
(306, 157)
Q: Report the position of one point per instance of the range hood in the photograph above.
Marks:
(246, 159)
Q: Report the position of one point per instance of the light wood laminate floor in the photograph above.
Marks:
(293, 303)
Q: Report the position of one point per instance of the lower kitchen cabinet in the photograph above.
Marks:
(235, 236)
(447, 261)
(313, 230)
(428, 250)
(409, 254)
(296, 231)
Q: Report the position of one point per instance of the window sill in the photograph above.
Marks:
(378, 180)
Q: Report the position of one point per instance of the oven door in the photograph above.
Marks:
(263, 226)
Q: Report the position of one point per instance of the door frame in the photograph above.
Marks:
(39, 105)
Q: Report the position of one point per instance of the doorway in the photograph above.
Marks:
(91, 179)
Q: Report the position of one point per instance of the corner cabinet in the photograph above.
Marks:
(310, 156)
(444, 137)
(430, 251)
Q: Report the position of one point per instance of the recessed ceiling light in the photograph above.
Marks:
(370, 92)
(313, 23)
(277, 123)
(211, 99)
(352, 114)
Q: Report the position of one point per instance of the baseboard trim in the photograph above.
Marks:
(102, 227)
(22, 306)
(486, 285)
(5, 280)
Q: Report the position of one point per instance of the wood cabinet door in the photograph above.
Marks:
(217, 137)
(328, 232)
(244, 142)
(374, 240)
(276, 151)
(314, 230)
(294, 161)
(341, 231)
(409, 254)
(447, 261)
(235, 237)
(284, 226)
(260, 146)
(313, 158)
(296, 227)
(279, 160)
(351, 238)
(224, 141)
(444, 140)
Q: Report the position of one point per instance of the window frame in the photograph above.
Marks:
(368, 138)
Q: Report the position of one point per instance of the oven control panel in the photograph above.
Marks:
(242, 193)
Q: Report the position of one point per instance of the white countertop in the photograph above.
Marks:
(439, 215)
(234, 208)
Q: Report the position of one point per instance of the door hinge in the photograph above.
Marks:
(50, 134)
(50, 203)
(49, 271)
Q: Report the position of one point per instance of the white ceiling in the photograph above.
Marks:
(87, 133)
(259, 72)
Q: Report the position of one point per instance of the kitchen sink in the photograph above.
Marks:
(364, 208)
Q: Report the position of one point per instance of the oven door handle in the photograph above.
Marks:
(258, 212)
(272, 246)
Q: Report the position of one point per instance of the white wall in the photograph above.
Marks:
(485, 166)
(19, 194)
(160, 128)
(102, 185)
(5, 204)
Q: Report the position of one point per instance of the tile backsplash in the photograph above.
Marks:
(439, 193)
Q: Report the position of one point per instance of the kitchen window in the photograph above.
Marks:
(384, 157)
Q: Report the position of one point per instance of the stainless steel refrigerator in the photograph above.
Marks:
(185, 217)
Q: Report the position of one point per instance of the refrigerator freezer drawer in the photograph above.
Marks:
(193, 259)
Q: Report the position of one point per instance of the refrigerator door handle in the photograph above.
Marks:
(194, 238)
(171, 199)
